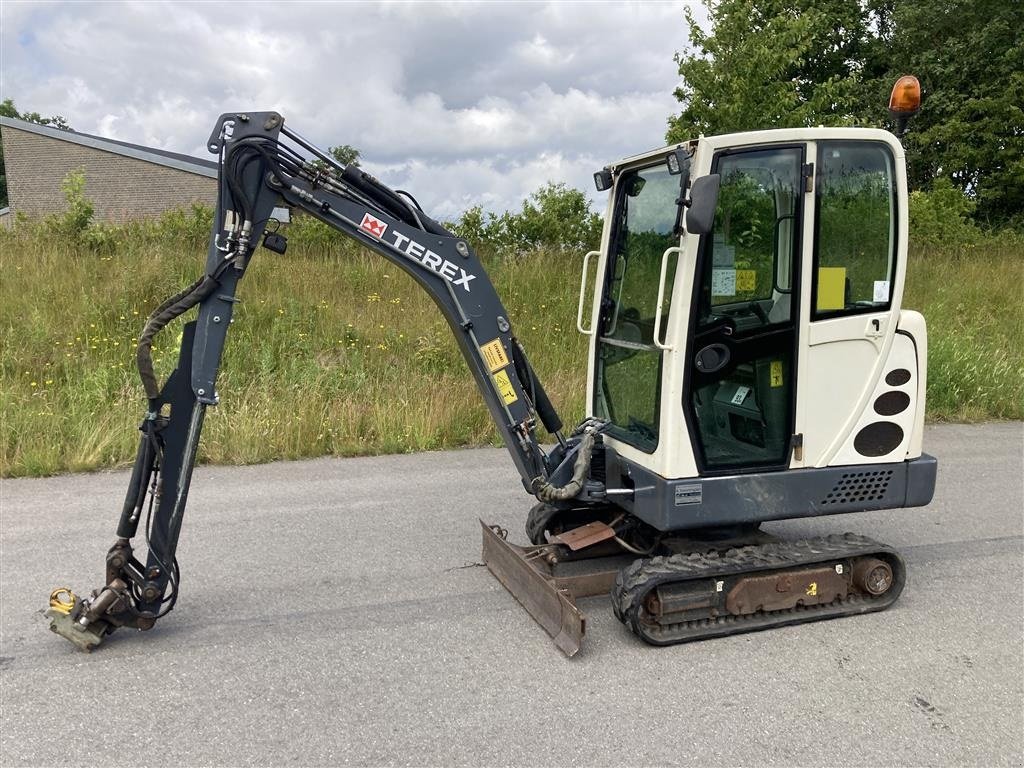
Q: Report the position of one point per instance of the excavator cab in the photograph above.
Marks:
(747, 366)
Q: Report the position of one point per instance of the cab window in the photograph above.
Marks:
(855, 249)
(755, 239)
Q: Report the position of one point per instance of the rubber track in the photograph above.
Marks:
(636, 580)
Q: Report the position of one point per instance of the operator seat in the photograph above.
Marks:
(779, 313)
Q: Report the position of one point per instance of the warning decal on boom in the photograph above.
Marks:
(508, 393)
(494, 354)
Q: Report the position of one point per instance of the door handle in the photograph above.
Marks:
(875, 328)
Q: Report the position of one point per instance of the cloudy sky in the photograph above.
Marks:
(460, 103)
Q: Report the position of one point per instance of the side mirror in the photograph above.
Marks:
(700, 218)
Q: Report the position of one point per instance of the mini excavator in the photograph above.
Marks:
(749, 360)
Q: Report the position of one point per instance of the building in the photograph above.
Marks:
(123, 181)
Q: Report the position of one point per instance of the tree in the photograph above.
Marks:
(969, 57)
(768, 64)
(345, 154)
(771, 64)
(558, 216)
(7, 109)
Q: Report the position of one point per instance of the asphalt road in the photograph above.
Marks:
(325, 618)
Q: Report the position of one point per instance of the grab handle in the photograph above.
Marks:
(656, 332)
(583, 291)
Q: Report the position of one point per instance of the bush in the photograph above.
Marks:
(941, 216)
(554, 218)
(188, 226)
(308, 232)
(76, 220)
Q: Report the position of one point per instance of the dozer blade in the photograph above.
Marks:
(548, 579)
(553, 608)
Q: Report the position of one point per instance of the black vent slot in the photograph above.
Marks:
(858, 487)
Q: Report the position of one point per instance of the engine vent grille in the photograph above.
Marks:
(855, 487)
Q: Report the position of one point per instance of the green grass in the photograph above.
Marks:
(971, 299)
(335, 351)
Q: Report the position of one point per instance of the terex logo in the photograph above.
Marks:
(373, 225)
(431, 260)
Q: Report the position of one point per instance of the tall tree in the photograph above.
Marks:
(765, 63)
(7, 109)
(969, 57)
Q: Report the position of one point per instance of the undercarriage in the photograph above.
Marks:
(706, 584)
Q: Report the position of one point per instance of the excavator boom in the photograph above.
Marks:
(262, 164)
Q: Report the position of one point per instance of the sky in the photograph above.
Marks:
(462, 104)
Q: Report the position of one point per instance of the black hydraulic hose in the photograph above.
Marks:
(232, 174)
(545, 491)
(411, 199)
(181, 302)
(142, 471)
(162, 315)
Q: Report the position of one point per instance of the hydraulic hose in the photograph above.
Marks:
(545, 491)
(176, 305)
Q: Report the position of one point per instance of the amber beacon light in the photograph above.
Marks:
(905, 100)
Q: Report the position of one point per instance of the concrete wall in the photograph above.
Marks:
(119, 187)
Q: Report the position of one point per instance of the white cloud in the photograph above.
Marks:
(460, 103)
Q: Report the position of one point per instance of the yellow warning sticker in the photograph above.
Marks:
(775, 372)
(746, 281)
(508, 393)
(494, 354)
(812, 589)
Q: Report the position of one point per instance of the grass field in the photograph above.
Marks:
(335, 351)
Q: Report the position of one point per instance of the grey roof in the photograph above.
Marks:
(149, 154)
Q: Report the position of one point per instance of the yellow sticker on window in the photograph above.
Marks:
(831, 288)
(494, 355)
(508, 392)
(746, 281)
(775, 373)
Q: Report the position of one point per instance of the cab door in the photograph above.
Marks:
(739, 391)
(851, 352)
